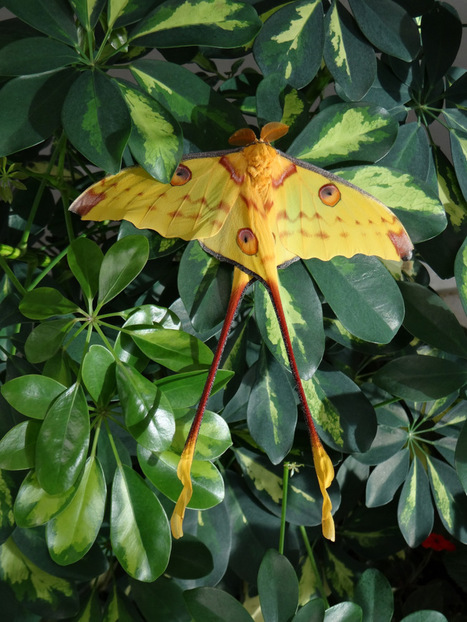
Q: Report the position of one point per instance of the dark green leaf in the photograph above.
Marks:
(139, 529)
(31, 394)
(424, 615)
(44, 302)
(156, 138)
(35, 55)
(63, 441)
(386, 478)
(224, 24)
(85, 259)
(388, 27)
(88, 11)
(362, 294)
(208, 604)
(344, 612)
(313, 611)
(421, 378)
(441, 31)
(121, 265)
(96, 120)
(415, 510)
(163, 596)
(461, 456)
(185, 389)
(460, 271)
(459, 157)
(8, 490)
(277, 588)
(449, 497)
(53, 17)
(374, 595)
(18, 446)
(291, 42)
(46, 339)
(190, 559)
(98, 373)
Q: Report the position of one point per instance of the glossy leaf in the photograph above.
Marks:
(449, 497)
(45, 340)
(18, 446)
(374, 595)
(362, 294)
(291, 42)
(350, 612)
(52, 17)
(35, 55)
(277, 587)
(213, 438)
(459, 156)
(96, 120)
(226, 24)
(44, 302)
(139, 529)
(347, 55)
(88, 11)
(343, 132)
(391, 434)
(208, 604)
(98, 373)
(184, 389)
(63, 441)
(155, 140)
(386, 478)
(415, 510)
(32, 395)
(460, 270)
(85, 259)
(121, 264)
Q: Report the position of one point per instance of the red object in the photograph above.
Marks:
(437, 542)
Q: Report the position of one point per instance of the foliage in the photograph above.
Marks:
(107, 332)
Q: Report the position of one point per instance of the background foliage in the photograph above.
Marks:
(107, 332)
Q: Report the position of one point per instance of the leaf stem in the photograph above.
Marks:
(314, 566)
(285, 490)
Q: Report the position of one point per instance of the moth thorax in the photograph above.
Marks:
(260, 157)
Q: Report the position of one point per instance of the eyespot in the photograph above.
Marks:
(181, 176)
(247, 241)
(329, 194)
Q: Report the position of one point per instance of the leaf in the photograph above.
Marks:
(291, 42)
(421, 378)
(139, 529)
(415, 510)
(121, 265)
(98, 372)
(343, 132)
(63, 441)
(31, 394)
(388, 27)
(208, 604)
(347, 55)
(441, 32)
(386, 478)
(363, 295)
(224, 24)
(213, 437)
(156, 138)
(8, 489)
(88, 11)
(96, 120)
(184, 389)
(348, 612)
(85, 259)
(277, 587)
(44, 302)
(313, 611)
(17, 447)
(272, 410)
(461, 457)
(190, 559)
(425, 615)
(373, 593)
(52, 17)
(460, 270)
(73, 531)
(45, 340)
(35, 55)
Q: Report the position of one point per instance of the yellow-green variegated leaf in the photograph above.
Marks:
(415, 509)
(218, 23)
(115, 8)
(88, 11)
(459, 157)
(460, 270)
(449, 496)
(156, 137)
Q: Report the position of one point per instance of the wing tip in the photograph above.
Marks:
(402, 243)
(86, 202)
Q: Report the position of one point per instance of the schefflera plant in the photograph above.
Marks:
(78, 438)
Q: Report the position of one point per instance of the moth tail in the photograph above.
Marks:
(184, 475)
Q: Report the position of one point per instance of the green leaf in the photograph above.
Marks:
(30, 108)
(35, 55)
(139, 529)
(344, 612)
(156, 138)
(449, 497)
(213, 437)
(17, 447)
(460, 271)
(313, 611)
(32, 395)
(34, 587)
(374, 595)
(291, 42)
(121, 265)
(34, 506)
(148, 413)
(88, 11)
(421, 378)
(343, 132)
(386, 478)
(174, 349)
(44, 302)
(161, 470)
(347, 55)
(63, 441)
(388, 27)
(362, 294)
(425, 615)
(190, 559)
(223, 24)
(8, 489)
(208, 604)
(415, 510)
(53, 17)
(98, 372)
(96, 120)
(45, 340)
(195, 105)
(183, 390)
(461, 457)
(277, 588)
(164, 596)
(412, 201)
(85, 259)
(303, 314)
(272, 410)
(441, 31)
(429, 318)
(459, 156)
(73, 531)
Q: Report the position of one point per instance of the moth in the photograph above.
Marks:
(260, 210)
